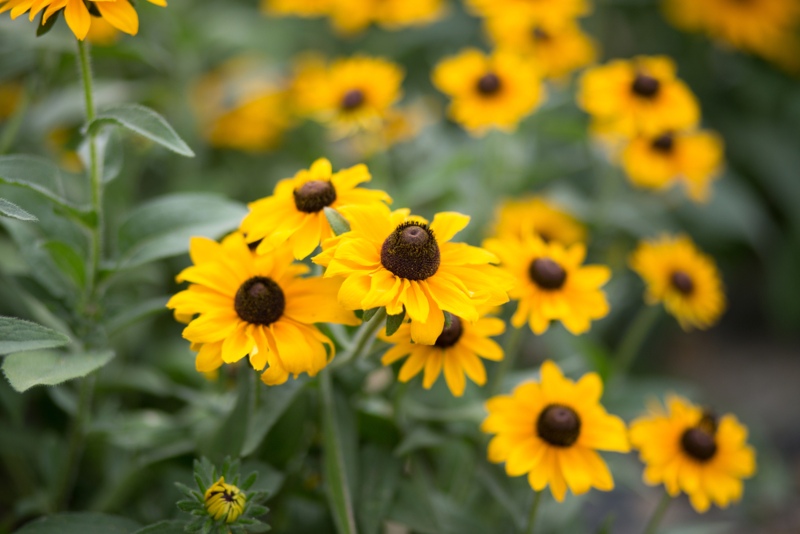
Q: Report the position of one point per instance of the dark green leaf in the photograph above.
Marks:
(231, 435)
(145, 122)
(273, 402)
(48, 368)
(393, 322)
(68, 261)
(380, 475)
(34, 173)
(17, 335)
(80, 523)
(163, 527)
(136, 312)
(419, 438)
(9, 209)
(339, 224)
(45, 27)
(369, 314)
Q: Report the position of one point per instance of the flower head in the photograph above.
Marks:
(299, 8)
(683, 278)
(551, 430)
(689, 449)
(550, 9)
(540, 216)
(353, 16)
(224, 501)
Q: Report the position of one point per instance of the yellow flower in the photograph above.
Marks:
(295, 211)
(688, 449)
(683, 278)
(458, 350)
(489, 91)
(550, 9)
(224, 500)
(300, 8)
(641, 95)
(399, 126)
(551, 283)
(78, 14)
(351, 94)
(558, 46)
(102, 33)
(353, 16)
(11, 94)
(257, 306)
(551, 430)
(536, 214)
(400, 261)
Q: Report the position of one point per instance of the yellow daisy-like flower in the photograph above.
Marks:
(558, 46)
(683, 278)
(536, 214)
(693, 158)
(256, 306)
(353, 16)
(550, 9)
(299, 8)
(688, 449)
(552, 285)
(494, 91)
(224, 500)
(551, 430)
(641, 95)
(78, 13)
(295, 211)
(458, 350)
(400, 261)
(351, 94)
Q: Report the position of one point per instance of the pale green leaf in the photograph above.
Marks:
(48, 368)
(9, 209)
(145, 122)
(68, 261)
(17, 335)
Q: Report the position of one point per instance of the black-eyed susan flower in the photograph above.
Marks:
(241, 304)
(551, 9)
(298, 8)
(683, 278)
(540, 216)
(400, 262)
(689, 449)
(353, 16)
(494, 91)
(80, 14)
(294, 213)
(552, 284)
(691, 158)
(224, 501)
(551, 430)
(641, 95)
(458, 351)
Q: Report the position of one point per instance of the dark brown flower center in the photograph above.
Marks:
(411, 252)
(547, 274)
(259, 301)
(663, 143)
(539, 35)
(254, 245)
(559, 425)
(312, 196)
(353, 99)
(645, 86)
(489, 84)
(699, 442)
(229, 496)
(451, 334)
(682, 282)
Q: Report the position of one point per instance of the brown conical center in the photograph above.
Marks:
(547, 274)
(451, 334)
(352, 99)
(312, 196)
(411, 252)
(259, 301)
(489, 84)
(539, 35)
(559, 425)
(664, 143)
(645, 86)
(682, 282)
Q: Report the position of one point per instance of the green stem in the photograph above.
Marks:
(363, 339)
(513, 342)
(635, 337)
(658, 515)
(79, 424)
(537, 497)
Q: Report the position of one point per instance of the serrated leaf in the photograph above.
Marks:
(18, 335)
(9, 209)
(68, 261)
(145, 122)
(393, 322)
(48, 368)
(339, 224)
(80, 523)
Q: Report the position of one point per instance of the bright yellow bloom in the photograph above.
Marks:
(353, 16)
(552, 285)
(458, 350)
(350, 94)
(119, 13)
(294, 213)
(641, 95)
(494, 91)
(540, 216)
(688, 449)
(225, 500)
(256, 306)
(399, 261)
(551, 430)
(558, 46)
(11, 94)
(299, 8)
(683, 278)
(550, 9)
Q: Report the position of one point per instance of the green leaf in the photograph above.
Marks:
(274, 402)
(48, 368)
(109, 148)
(163, 527)
(367, 315)
(9, 209)
(45, 27)
(80, 523)
(17, 335)
(381, 474)
(163, 227)
(393, 322)
(339, 224)
(231, 435)
(419, 438)
(448, 319)
(34, 173)
(136, 312)
(68, 261)
(145, 122)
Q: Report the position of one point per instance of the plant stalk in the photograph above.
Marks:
(70, 469)
(658, 514)
(635, 337)
(537, 497)
(362, 341)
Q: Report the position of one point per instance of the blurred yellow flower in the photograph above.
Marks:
(551, 430)
(540, 216)
(224, 500)
(550, 9)
(641, 95)
(683, 278)
(299, 8)
(353, 16)
(11, 94)
(102, 33)
(494, 91)
(689, 449)
(63, 142)
(693, 158)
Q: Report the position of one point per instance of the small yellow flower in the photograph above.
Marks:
(641, 95)
(551, 430)
(353, 16)
(552, 285)
(458, 350)
(688, 449)
(294, 213)
(299, 8)
(540, 216)
(683, 278)
(550, 9)
(495, 91)
(224, 500)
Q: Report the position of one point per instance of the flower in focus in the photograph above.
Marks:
(399, 261)
(689, 449)
(494, 91)
(641, 95)
(79, 14)
(552, 285)
(683, 278)
(353, 16)
(535, 214)
(294, 213)
(224, 501)
(458, 350)
(256, 306)
(299, 8)
(551, 9)
(551, 430)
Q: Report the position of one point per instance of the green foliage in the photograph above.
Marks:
(17, 335)
(48, 368)
(143, 121)
(9, 209)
